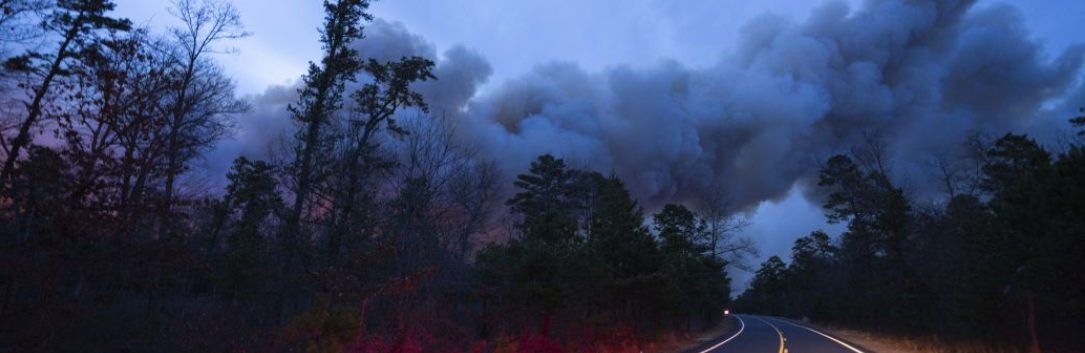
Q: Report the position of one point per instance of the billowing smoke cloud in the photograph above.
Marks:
(922, 73)
(461, 71)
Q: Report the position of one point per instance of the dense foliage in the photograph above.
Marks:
(583, 256)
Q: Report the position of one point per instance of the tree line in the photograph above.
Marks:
(369, 228)
(1000, 260)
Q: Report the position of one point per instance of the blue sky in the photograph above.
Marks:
(516, 36)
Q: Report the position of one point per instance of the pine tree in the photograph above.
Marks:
(78, 24)
(702, 287)
(546, 202)
(319, 99)
(626, 250)
(253, 196)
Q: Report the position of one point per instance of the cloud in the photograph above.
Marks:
(922, 73)
(461, 72)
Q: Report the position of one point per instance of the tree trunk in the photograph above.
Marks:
(316, 114)
(34, 110)
(173, 149)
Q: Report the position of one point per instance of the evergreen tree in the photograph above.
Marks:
(253, 196)
(619, 235)
(78, 25)
(1018, 174)
(541, 258)
(811, 261)
(700, 280)
(377, 102)
(768, 287)
(622, 246)
(319, 99)
(546, 202)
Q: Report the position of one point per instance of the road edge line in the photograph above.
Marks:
(740, 329)
(834, 339)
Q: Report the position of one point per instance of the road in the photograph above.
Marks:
(760, 334)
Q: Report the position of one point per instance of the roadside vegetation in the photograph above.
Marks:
(887, 343)
(999, 261)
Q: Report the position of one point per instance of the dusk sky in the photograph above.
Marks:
(612, 37)
(517, 35)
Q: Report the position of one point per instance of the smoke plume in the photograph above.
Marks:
(923, 74)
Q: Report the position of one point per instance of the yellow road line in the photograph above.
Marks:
(778, 333)
(848, 346)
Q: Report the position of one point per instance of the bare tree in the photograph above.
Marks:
(143, 136)
(961, 171)
(475, 192)
(724, 225)
(97, 107)
(202, 97)
(947, 169)
(872, 152)
(466, 189)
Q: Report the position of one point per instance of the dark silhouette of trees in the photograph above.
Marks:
(378, 229)
(541, 258)
(376, 102)
(701, 288)
(1079, 121)
(78, 24)
(252, 197)
(200, 97)
(767, 291)
(581, 252)
(999, 264)
(319, 101)
(723, 225)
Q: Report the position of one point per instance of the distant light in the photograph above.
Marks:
(727, 312)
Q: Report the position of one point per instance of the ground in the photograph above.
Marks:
(896, 344)
(678, 344)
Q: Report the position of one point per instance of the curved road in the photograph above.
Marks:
(761, 334)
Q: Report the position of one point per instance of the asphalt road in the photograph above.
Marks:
(760, 334)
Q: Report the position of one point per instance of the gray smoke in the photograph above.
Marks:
(923, 74)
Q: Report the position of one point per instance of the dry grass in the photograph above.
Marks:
(881, 343)
(686, 342)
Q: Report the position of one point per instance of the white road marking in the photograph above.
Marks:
(742, 326)
(848, 346)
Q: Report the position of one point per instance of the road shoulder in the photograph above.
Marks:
(697, 342)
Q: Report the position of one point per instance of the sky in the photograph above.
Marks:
(517, 35)
(608, 50)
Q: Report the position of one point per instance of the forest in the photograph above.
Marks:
(364, 233)
(370, 228)
(1000, 261)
